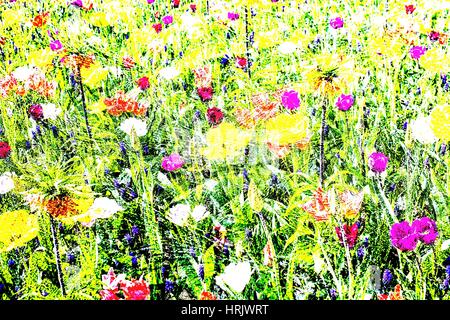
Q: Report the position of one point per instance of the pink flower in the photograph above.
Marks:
(109, 294)
(403, 236)
(172, 162)
(345, 102)
(135, 289)
(409, 8)
(426, 230)
(350, 233)
(167, 20)
(56, 45)
(337, 23)
(378, 162)
(233, 16)
(417, 51)
(290, 100)
(205, 93)
(143, 83)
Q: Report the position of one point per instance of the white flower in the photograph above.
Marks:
(6, 183)
(169, 73)
(179, 214)
(24, 73)
(104, 208)
(235, 276)
(163, 179)
(132, 124)
(210, 184)
(287, 47)
(199, 213)
(50, 111)
(116, 71)
(421, 130)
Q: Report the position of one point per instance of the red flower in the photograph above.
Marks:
(241, 62)
(434, 35)
(205, 295)
(143, 83)
(351, 234)
(36, 112)
(5, 150)
(108, 295)
(410, 8)
(214, 115)
(193, 7)
(40, 20)
(396, 295)
(205, 93)
(176, 3)
(157, 27)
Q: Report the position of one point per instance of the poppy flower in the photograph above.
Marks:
(40, 20)
(176, 3)
(350, 233)
(206, 295)
(214, 115)
(167, 20)
(241, 62)
(345, 102)
(434, 36)
(193, 7)
(395, 295)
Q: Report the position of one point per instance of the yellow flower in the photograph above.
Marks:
(330, 74)
(440, 122)
(16, 229)
(286, 129)
(11, 17)
(41, 58)
(435, 60)
(93, 75)
(97, 107)
(99, 19)
(225, 141)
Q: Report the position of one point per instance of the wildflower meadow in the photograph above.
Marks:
(224, 150)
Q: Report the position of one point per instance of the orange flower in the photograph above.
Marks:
(205, 295)
(245, 118)
(203, 77)
(304, 143)
(268, 254)
(264, 108)
(61, 206)
(319, 206)
(75, 62)
(40, 19)
(279, 151)
(396, 295)
(128, 62)
(121, 103)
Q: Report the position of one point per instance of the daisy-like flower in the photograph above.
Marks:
(50, 111)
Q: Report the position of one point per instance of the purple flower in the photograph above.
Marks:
(378, 162)
(387, 277)
(56, 45)
(417, 51)
(167, 20)
(150, 1)
(337, 23)
(403, 236)
(426, 230)
(290, 100)
(172, 162)
(77, 3)
(345, 102)
(233, 16)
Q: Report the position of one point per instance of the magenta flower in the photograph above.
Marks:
(77, 3)
(56, 45)
(290, 100)
(426, 230)
(345, 102)
(417, 51)
(378, 162)
(403, 236)
(172, 162)
(167, 20)
(337, 23)
(150, 1)
(233, 16)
